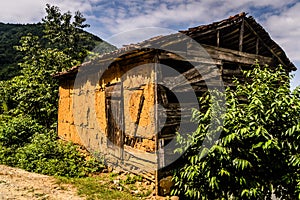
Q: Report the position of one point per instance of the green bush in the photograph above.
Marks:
(47, 156)
(16, 131)
(26, 144)
(257, 153)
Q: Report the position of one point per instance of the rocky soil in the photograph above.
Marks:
(19, 184)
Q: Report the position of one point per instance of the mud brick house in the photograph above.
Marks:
(126, 105)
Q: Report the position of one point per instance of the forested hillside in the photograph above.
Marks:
(10, 35)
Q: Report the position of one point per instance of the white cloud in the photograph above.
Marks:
(285, 29)
(32, 11)
(20, 11)
(169, 13)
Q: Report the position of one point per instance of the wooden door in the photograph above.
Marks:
(115, 121)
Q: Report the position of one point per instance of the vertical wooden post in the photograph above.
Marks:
(156, 123)
(218, 38)
(161, 152)
(241, 36)
(256, 48)
(122, 138)
(221, 70)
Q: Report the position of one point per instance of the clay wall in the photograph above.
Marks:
(83, 115)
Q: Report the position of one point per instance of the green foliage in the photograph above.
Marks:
(35, 92)
(16, 131)
(28, 145)
(11, 34)
(131, 179)
(65, 35)
(29, 102)
(257, 153)
(48, 156)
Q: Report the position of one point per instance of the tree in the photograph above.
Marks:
(34, 92)
(258, 151)
(64, 34)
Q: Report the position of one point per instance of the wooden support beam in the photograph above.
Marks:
(161, 153)
(218, 53)
(257, 46)
(210, 31)
(271, 50)
(138, 117)
(156, 64)
(123, 120)
(193, 75)
(241, 36)
(218, 38)
(231, 33)
(192, 59)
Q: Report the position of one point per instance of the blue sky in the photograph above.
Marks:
(127, 19)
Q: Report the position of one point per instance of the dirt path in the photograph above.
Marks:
(19, 184)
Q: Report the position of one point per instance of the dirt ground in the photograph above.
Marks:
(19, 184)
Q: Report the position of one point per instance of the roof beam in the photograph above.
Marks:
(271, 50)
(257, 46)
(218, 53)
(218, 38)
(241, 35)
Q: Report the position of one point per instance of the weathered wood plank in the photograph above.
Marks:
(199, 34)
(113, 91)
(193, 75)
(138, 117)
(190, 58)
(257, 46)
(231, 55)
(218, 38)
(269, 48)
(142, 161)
(241, 36)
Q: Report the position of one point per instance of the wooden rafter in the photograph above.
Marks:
(241, 35)
(263, 43)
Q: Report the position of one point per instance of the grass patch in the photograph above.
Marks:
(103, 187)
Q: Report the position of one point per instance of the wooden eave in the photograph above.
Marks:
(240, 33)
(237, 39)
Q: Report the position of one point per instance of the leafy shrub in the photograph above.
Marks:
(26, 144)
(47, 156)
(257, 153)
(16, 131)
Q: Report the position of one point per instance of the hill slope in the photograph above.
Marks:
(10, 35)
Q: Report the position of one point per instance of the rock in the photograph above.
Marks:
(174, 198)
(110, 169)
(115, 171)
(119, 188)
(152, 185)
(165, 185)
(116, 182)
(134, 192)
